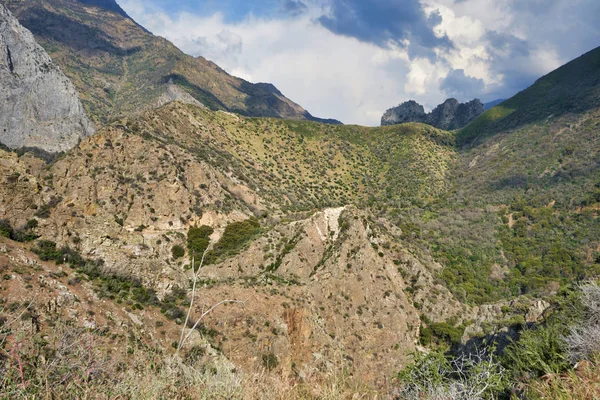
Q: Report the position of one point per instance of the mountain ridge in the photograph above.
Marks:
(571, 88)
(119, 67)
(449, 115)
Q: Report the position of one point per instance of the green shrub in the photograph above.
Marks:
(235, 236)
(177, 251)
(46, 250)
(6, 229)
(441, 333)
(270, 361)
(198, 239)
(19, 235)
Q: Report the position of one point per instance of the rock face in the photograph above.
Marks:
(409, 111)
(39, 106)
(453, 115)
(449, 115)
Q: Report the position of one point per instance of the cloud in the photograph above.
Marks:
(382, 22)
(353, 59)
(460, 86)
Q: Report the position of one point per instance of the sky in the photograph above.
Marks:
(353, 59)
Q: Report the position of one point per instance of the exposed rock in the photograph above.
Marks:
(453, 115)
(39, 106)
(409, 111)
(449, 115)
(175, 93)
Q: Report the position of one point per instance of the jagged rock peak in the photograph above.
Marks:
(39, 106)
(449, 115)
(409, 111)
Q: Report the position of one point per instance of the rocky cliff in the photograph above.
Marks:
(39, 106)
(449, 115)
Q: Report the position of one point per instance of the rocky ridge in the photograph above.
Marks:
(39, 106)
(449, 115)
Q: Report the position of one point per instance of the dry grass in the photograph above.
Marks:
(581, 384)
(72, 362)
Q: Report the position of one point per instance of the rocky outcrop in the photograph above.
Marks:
(175, 93)
(39, 106)
(409, 111)
(453, 115)
(449, 115)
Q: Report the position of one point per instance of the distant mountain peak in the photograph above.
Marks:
(451, 114)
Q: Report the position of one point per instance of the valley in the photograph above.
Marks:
(339, 259)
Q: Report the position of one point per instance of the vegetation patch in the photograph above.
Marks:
(235, 237)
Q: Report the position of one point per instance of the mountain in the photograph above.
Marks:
(120, 68)
(39, 107)
(321, 275)
(449, 115)
(110, 5)
(571, 89)
(492, 103)
(534, 159)
(316, 258)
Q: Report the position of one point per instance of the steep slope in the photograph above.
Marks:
(120, 68)
(322, 285)
(39, 105)
(449, 115)
(571, 89)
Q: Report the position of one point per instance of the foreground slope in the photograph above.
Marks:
(322, 280)
(120, 68)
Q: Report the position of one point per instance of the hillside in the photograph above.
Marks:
(522, 214)
(571, 89)
(120, 68)
(320, 275)
(339, 259)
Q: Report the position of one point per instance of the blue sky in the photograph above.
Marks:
(353, 59)
(234, 10)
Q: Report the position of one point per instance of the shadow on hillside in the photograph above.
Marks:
(204, 96)
(500, 339)
(73, 34)
(263, 100)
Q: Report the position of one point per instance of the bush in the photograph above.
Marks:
(541, 349)
(177, 251)
(235, 236)
(440, 333)
(583, 342)
(198, 239)
(46, 250)
(270, 361)
(6, 229)
(25, 234)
